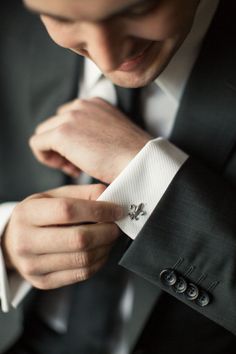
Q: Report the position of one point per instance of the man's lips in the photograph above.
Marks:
(134, 61)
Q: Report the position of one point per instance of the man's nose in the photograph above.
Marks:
(104, 44)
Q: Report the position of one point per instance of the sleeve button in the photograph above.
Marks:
(180, 286)
(192, 292)
(168, 277)
(203, 299)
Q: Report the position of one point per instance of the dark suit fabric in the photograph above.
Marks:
(36, 77)
(195, 219)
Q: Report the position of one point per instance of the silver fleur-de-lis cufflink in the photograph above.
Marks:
(135, 211)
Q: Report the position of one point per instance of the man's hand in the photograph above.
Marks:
(48, 242)
(90, 135)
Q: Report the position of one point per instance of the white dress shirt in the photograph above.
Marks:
(141, 181)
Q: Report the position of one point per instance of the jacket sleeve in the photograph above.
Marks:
(188, 245)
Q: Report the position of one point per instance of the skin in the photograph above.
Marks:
(112, 32)
(74, 139)
(131, 41)
(48, 243)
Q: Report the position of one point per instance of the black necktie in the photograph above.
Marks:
(129, 102)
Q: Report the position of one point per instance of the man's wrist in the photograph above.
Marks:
(131, 153)
(140, 187)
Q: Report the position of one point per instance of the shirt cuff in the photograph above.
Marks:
(143, 182)
(13, 287)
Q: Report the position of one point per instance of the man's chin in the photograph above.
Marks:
(133, 79)
(146, 72)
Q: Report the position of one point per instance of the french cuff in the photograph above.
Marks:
(12, 287)
(141, 185)
(5, 213)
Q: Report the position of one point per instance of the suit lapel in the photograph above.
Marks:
(54, 74)
(205, 125)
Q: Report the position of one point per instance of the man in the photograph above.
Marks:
(25, 80)
(183, 223)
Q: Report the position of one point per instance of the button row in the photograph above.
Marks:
(180, 285)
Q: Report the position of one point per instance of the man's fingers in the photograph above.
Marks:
(51, 123)
(50, 263)
(71, 239)
(75, 104)
(54, 160)
(67, 211)
(43, 147)
(52, 146)
(62, 116)
(89, 192)
(66, 277)
(70, 169)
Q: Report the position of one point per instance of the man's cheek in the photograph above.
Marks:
(155, 30)
(61, 34)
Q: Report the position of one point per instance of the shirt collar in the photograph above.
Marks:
(92, 74)
(173, 79)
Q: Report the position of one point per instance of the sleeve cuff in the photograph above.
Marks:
(143, 182)
(12, 288)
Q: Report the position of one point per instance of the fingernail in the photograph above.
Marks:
(119, 213)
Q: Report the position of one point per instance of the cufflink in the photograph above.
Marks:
(135, 211)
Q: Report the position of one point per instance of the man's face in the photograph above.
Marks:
(131, 41)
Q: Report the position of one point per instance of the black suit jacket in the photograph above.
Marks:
(193, 228)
